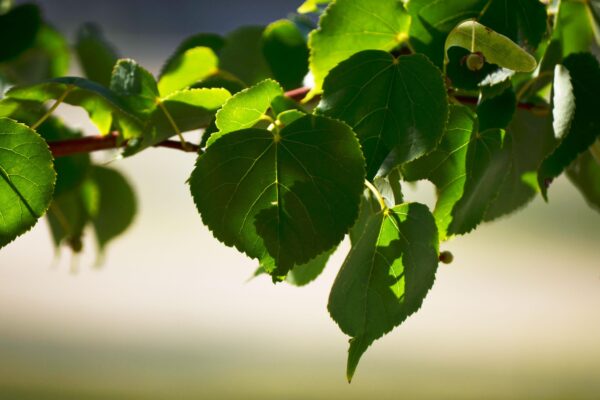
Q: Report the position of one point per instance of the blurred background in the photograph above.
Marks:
(172, 315)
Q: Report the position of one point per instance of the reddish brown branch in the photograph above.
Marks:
(90, 144)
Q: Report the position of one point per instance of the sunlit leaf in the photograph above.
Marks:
(392, 104)
(190, 67)
(27, 179)
(350, 26)
(287, 196)
(496, 48)
(385, 277)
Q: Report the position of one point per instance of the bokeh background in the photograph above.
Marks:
(172, 315)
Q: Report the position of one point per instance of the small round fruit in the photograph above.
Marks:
(475, 61)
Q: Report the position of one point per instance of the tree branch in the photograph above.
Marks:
(90, 144)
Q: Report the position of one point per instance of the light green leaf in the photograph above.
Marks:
(246, 108)
(310, 6)
(468, 168)
(117, 205)
(385, 277)
(392, 104)
(243, 55)
(584, 173)
(576, 116)
(192, 66)
(432, 21)
(574, 27)
(281, 197)
(289, 116)
(27, 179)
(496, 48)
(212, 41)
(102, 105)
(350, 26)
(286, 52)
(96, 55)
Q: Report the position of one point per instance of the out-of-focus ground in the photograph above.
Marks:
(171, 316)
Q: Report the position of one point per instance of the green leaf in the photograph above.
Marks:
(574, 27)
(188, 109)
(71, 171)
(102, 105)
(392, 104)
(385, 277)
(48, 57)
(68, 215)
(302, 275)
(243, 55)
(190, 67)
(281, 197)
(135, 86)
(117, 205)
(531, 140)
(497, 111)
(524, 21)
(310, 6)
(468, 168)
(221, 79)
(18, 30)
(350, 26)
(246, 108)
(210, 40)
(576, 117)
(496, 48)
(584, 173)
(286, 52)
(97, 56)
(27, 179)
(432, 21)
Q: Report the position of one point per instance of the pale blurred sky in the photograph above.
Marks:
(171, 315)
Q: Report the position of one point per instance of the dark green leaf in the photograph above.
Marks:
(27, 179)
(48, 57)
(302, 275)
(385, 277)
(351, 26)
(468, 168)
(283, 196)
(523, 21)
(243, 56)
(391, 103)
(96, 55)
(72, 170)
(531, 140)
(433, 20)
(221, 79)
(286, 52)
(18, 30)
(576, 116)
(117, 205)
(498, 111)
(585, 175)
(135, 86)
